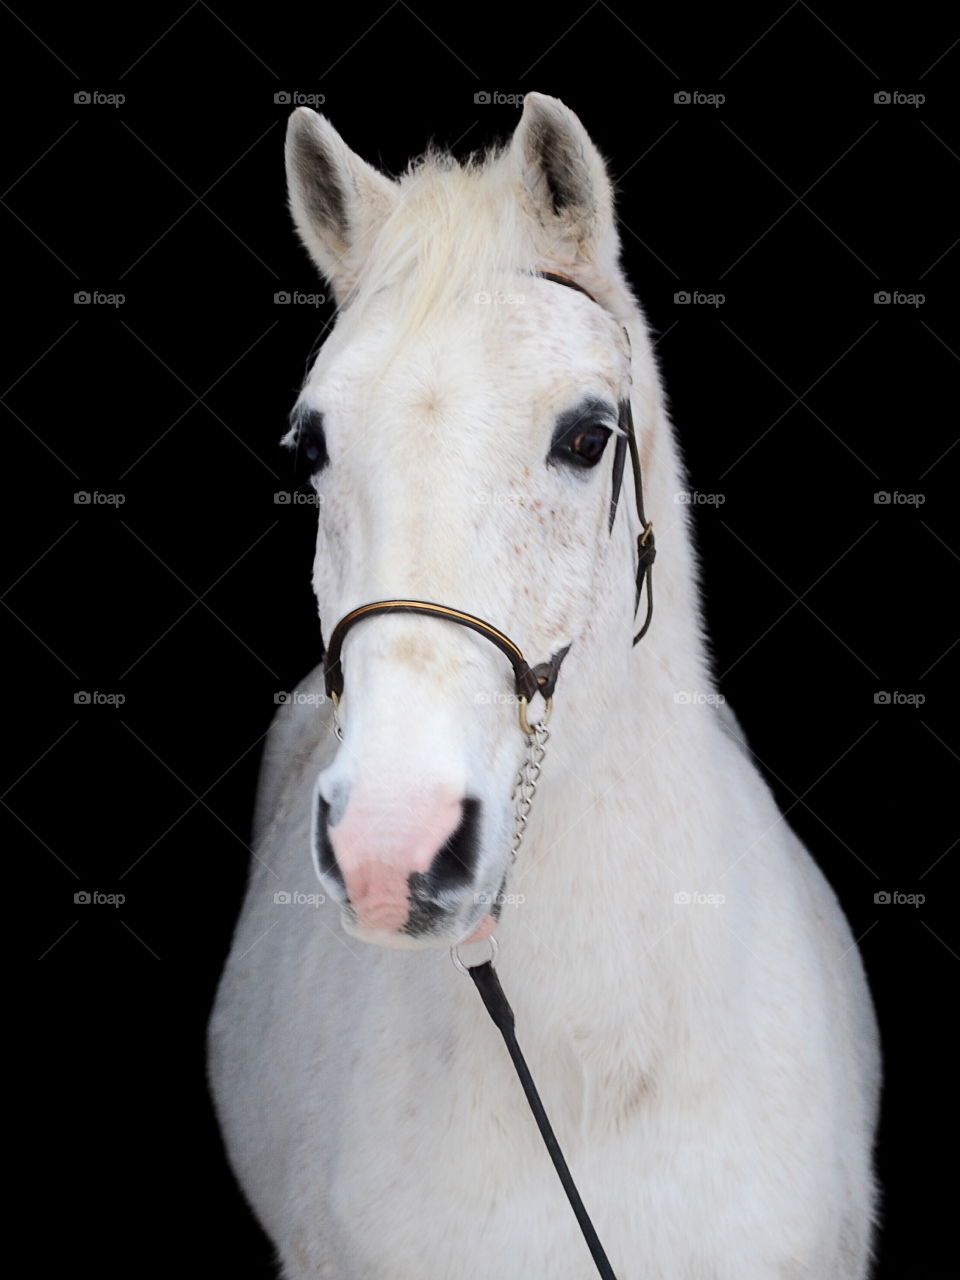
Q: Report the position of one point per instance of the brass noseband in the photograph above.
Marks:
(541, 678)
(528, 680)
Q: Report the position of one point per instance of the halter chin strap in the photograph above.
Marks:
(541, 678)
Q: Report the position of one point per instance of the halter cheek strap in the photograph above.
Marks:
(646, 543)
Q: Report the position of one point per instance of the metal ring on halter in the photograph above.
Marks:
(528, 728)
(465, 968)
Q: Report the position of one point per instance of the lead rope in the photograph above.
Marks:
(498, 1006)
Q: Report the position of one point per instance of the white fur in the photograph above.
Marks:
(711, 1070)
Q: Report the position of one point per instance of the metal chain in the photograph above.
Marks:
(525, 787)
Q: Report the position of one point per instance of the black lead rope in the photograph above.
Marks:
(498, 1006)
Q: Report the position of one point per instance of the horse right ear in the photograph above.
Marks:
(338, 201)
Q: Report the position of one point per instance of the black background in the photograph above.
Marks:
(798, 198)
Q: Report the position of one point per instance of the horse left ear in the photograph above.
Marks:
(565, 186)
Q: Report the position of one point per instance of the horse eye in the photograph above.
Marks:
(310, 445)
(582, 445)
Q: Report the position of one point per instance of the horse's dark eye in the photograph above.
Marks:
(589, 444)
(309, 444)
(581, 444)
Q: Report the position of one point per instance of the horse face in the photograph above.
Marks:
(457, 427)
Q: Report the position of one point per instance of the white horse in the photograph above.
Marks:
(687, 991)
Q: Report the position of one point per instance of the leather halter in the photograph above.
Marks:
(541, 678)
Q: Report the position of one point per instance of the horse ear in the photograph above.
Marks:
(565, 185)
(338, 201)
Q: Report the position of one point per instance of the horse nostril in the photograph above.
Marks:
(326, 858)
(456, 861)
